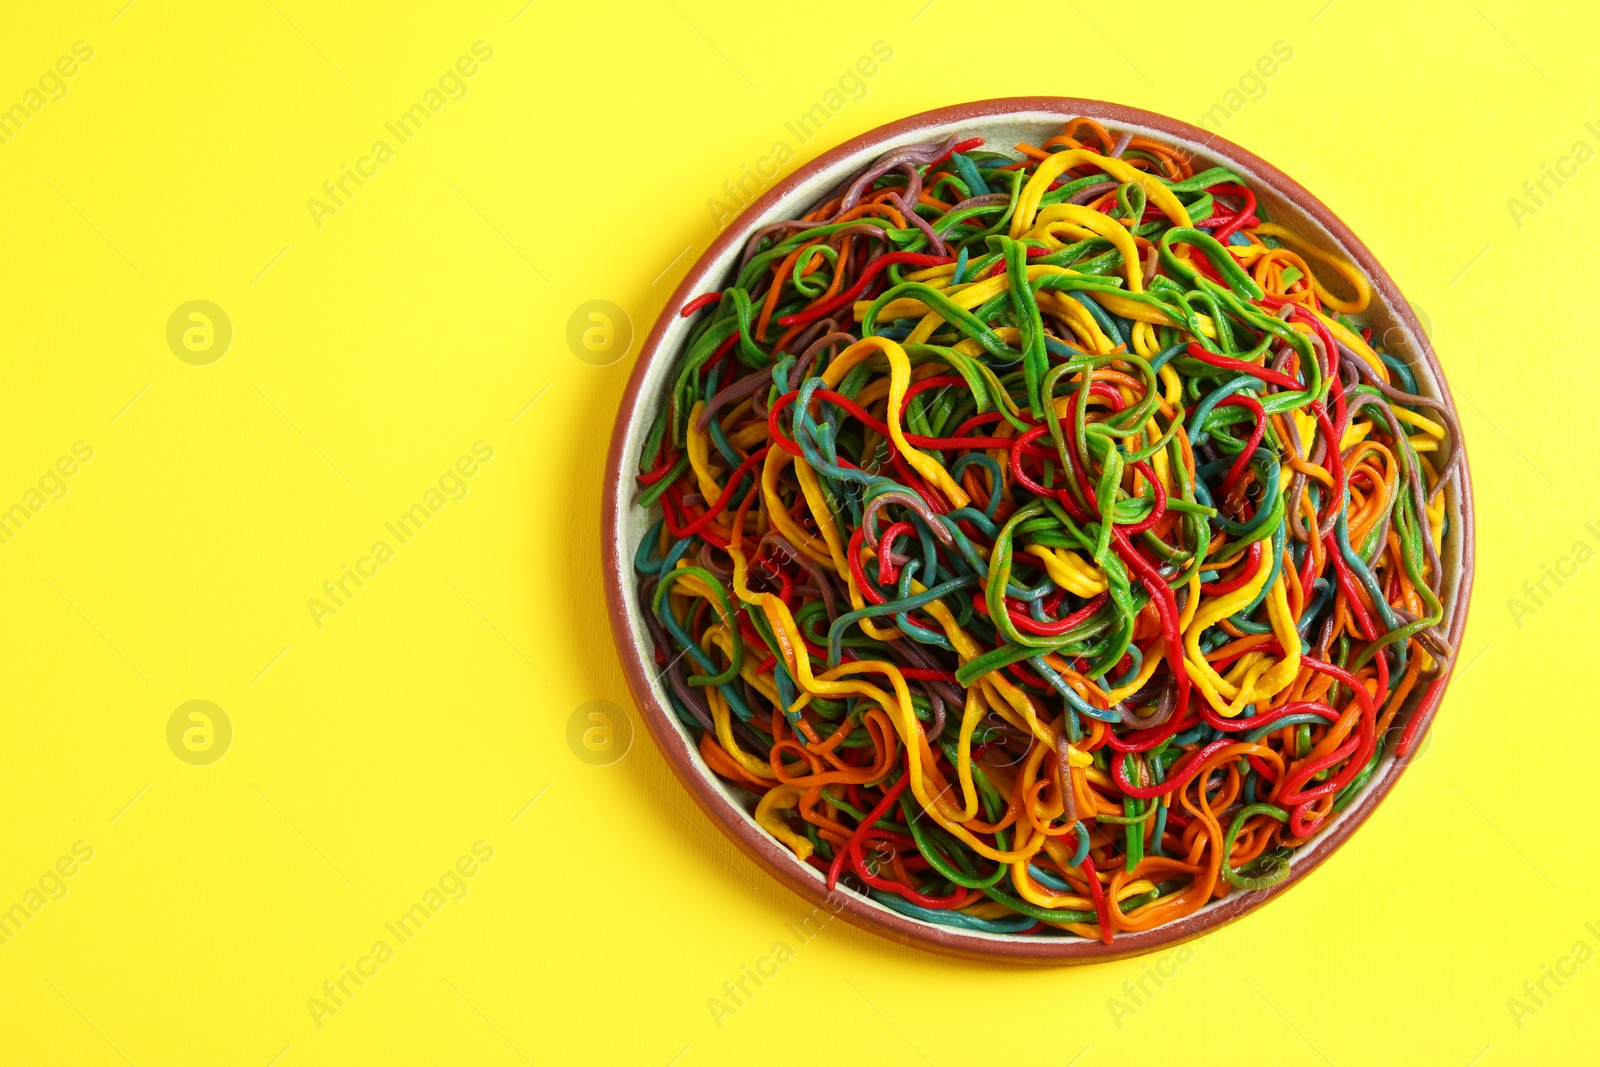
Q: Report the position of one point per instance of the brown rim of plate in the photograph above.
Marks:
(721, 808)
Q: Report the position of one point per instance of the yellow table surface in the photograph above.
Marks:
(404, 740)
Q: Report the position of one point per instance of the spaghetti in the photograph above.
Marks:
(1043, 543)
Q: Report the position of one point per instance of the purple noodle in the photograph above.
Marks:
(849, 192)
(1448, 417)
(691, 699)
(806, 563)
(910, 500)
(1088, 193)
(740, 389)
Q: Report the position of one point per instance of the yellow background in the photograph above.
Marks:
(372, 752)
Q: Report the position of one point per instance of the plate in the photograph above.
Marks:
(1002, 123)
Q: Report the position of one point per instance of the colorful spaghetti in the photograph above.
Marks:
(1044, 545)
